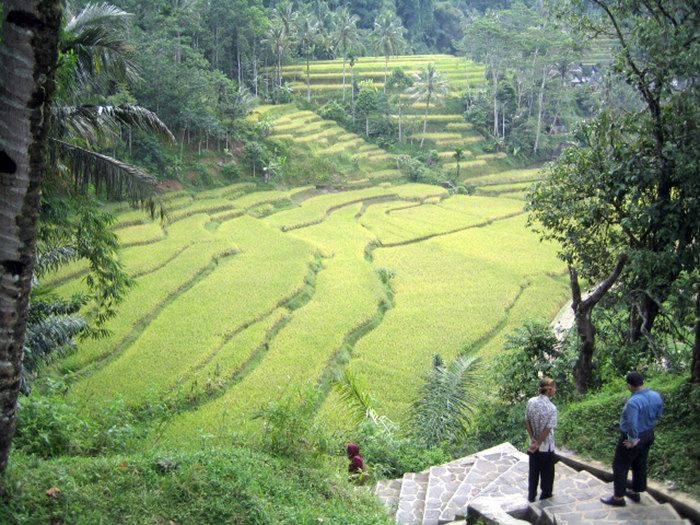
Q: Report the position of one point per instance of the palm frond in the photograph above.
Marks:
(444, 403)
(50, 259)
(136, 116)
(96, 124)
(358, 400)
(96, 36)
(51, 338)
(105, 173)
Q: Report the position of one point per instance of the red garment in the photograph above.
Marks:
(357, 464)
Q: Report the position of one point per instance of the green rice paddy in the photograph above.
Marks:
(229, 313)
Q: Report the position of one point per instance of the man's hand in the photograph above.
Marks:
(628, 443)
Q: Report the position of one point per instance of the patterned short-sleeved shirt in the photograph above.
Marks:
(542, 414)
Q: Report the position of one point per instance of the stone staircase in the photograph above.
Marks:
(492, 485)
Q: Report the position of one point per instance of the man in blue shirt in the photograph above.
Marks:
(636, 437)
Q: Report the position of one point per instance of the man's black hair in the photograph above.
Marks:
(635, 379)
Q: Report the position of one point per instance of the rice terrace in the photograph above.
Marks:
(231, 308)
(292, 262)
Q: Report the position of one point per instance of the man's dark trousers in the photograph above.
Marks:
(541, 466)
(634, 458)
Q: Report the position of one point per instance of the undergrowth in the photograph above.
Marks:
(238, 486)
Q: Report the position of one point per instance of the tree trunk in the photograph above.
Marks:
(343, 78)
(425, 122)
(695, 365)
(308, 81)
(583, 310)
(28, 55)
(642, 317)
(540, 110)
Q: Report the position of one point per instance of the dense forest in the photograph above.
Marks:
(130, 97)
(203, 66)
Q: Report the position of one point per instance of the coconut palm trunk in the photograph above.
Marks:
(343, 78)
(28, 55)
(425, 121)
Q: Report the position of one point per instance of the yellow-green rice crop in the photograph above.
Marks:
(395, 223)
(141, 234)
(142, 259)
(66, 273)
(226, 191)
(473, 163)
(465, 141)
(380, 156)
(341, 146)
(231, 356)
(347, 295)
(202, 206)
(382, 174)
(262, 197)
(463, 126)
(484, 208)
(187, 333)
(330, 132)
(315, 209)
(442, 136)
(420, 191)
(497, 189)
(226, 215)
(507, 176)
(540, 299)
(151, 292)
(484, 270)
(491, 156)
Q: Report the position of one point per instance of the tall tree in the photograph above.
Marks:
(487, 40)
(308, 34)
(28, 57)
(637, 189)
(429, 85)
(398, 83)
(389, 38)
(346, 35)
(280, 40)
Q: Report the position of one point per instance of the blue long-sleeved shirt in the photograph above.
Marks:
(641, 412)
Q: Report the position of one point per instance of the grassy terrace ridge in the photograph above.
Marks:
(222, 318)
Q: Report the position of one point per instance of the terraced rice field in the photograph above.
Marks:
(447, 131)
(230, 312)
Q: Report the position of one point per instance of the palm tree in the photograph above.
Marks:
(95, 36)
(279, 40)
(446, 400)
(389, 37)
(428, 85)
(345, 36)
(308, 32)
(28, 55)
(458, 155)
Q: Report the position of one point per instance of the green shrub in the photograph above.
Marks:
(230, 171)
(389, 454)
(332, 110)
(289, 429)
(48, 427)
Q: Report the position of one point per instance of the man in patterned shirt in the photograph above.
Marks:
(540, 420)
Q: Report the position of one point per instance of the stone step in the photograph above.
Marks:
(630, 522)
(411, 502)
(443, 482)
(489, 465)
(586, 506)
(388, 492)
